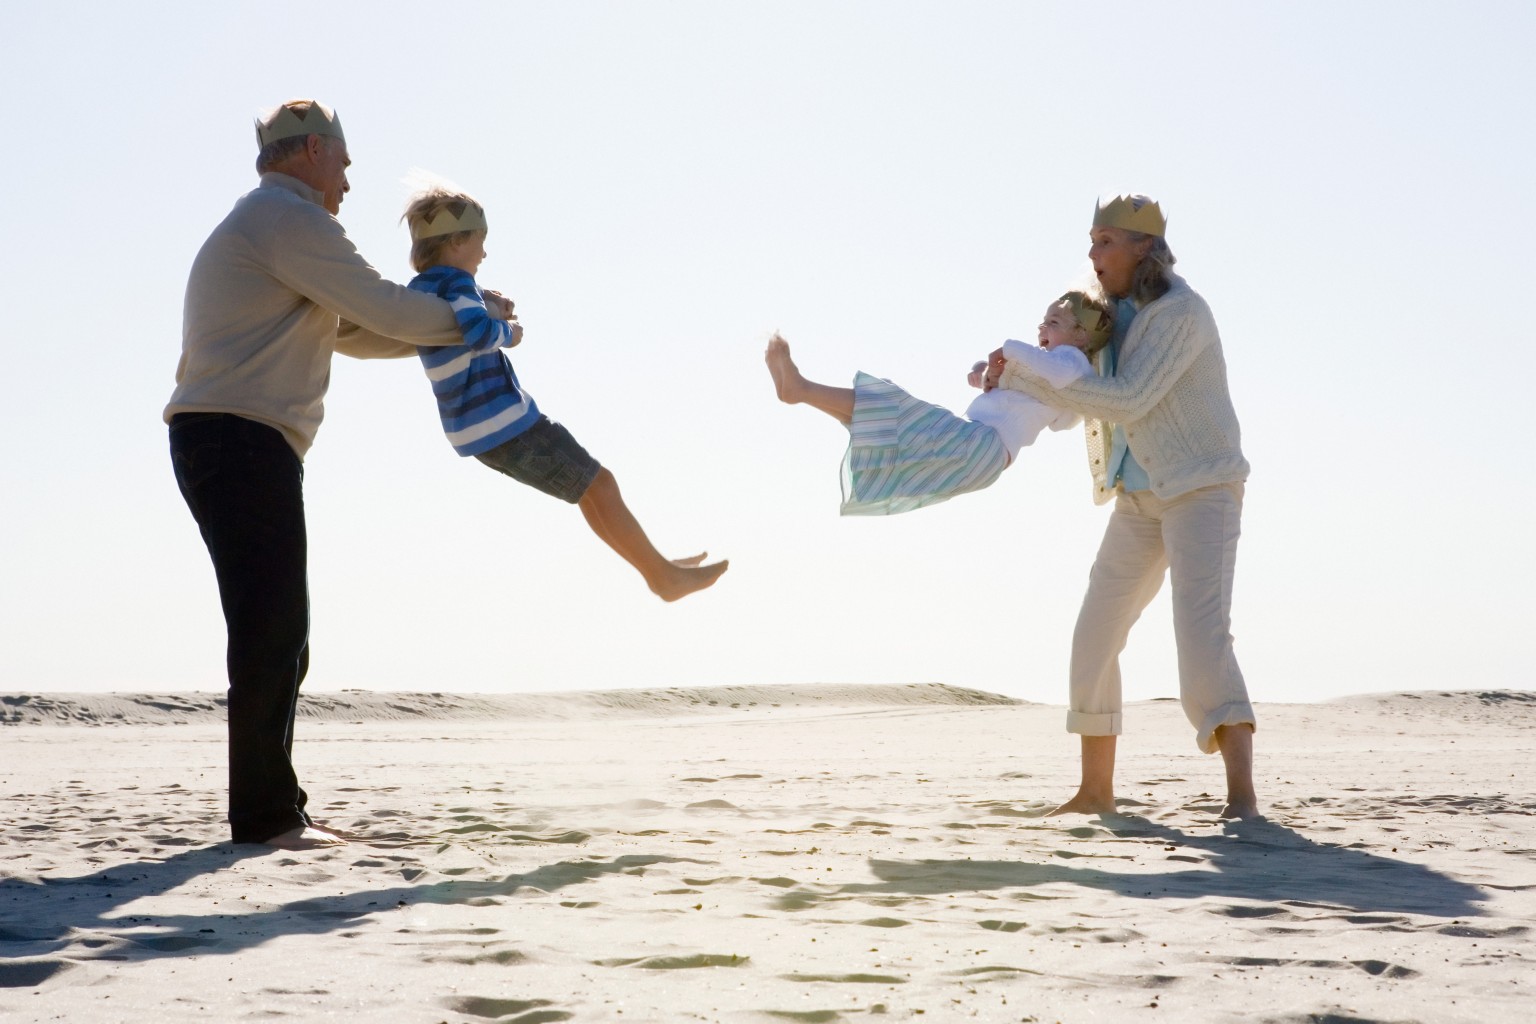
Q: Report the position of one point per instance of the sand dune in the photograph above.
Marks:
(770, 854)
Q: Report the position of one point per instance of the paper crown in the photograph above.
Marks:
(1131, 212)
(445, 222)
(1099, 324)
(285, 122)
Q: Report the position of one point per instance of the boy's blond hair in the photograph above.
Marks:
(426, 205)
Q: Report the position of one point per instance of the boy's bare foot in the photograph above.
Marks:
(787, 380)
(304, 837)
(685, 576)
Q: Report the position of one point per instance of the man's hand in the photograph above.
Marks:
(994, 370)
(517, 333)
(498, 305)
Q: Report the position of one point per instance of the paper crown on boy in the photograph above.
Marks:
(444, 221)
(1099, 325)
(1131, 212)
(298, 117)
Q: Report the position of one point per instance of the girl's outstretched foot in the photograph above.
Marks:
(787, 380)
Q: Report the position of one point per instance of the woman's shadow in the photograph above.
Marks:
(1255, 860)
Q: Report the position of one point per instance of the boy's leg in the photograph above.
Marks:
(605, 511)
(793, 388)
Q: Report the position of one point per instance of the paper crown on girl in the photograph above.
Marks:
(1131, 212)
(445, 221)
(298, 117)
(1099, 324)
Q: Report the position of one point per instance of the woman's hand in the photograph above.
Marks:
(994, 372)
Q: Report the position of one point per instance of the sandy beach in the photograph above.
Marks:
(752, 854)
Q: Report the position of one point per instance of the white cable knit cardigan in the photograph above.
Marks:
(1169, 393)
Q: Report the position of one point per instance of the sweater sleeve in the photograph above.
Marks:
(1169, 335)
(312, 254)
(481, 331)
(1059, 367)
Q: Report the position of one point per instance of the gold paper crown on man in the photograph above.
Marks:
(1133, 212)
(297, 117)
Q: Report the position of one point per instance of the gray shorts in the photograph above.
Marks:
(545, 457)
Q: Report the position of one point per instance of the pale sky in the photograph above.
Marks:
(897, 187)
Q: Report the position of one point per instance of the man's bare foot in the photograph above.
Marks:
(1086, 803)
(684, 576)
(305, 837)
(787, 380)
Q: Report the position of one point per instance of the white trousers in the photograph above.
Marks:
(1193, 538)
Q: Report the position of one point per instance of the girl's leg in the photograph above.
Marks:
(794, 389)
(605, 511)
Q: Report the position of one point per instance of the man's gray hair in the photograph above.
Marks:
(275, 153)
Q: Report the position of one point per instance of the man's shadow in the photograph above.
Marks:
(48, 925)
(1256, 860)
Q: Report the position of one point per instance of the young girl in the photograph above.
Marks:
(904, 453)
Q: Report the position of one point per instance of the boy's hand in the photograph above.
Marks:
(517, 333)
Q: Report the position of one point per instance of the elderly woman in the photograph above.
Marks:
(1163, 443)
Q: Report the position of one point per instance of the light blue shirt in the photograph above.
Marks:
(1123, 467)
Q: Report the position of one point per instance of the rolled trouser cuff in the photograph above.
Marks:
(1085, 724)
(1238, 712)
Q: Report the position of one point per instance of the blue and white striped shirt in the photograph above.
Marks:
(478, 397)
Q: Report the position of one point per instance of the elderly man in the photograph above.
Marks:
(275, 289)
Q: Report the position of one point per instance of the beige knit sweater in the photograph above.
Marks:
(264, 307)
(1169, 393)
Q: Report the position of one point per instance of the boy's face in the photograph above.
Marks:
(1060, 328)
(466, 254)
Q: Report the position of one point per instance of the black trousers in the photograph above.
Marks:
(245, 487)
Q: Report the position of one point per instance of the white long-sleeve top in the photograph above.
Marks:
(1169, 392)
(1019, 418)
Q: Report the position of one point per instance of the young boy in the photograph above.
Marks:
(905, 453)
(487, 414)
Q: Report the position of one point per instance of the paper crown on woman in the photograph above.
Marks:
(298, 117)
(1132, 212)
(1099, 324)
(445, 220)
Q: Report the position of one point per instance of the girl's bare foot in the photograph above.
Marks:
(787, 380)
(684, 576)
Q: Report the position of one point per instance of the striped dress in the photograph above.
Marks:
(479, 398)
(904, 453)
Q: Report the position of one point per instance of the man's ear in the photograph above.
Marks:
(313, 145)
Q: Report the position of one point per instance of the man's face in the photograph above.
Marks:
(330, 168)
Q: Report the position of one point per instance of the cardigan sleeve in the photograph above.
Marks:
(1166, 338)
(312, 254)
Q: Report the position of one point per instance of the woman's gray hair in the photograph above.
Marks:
(1153, 275)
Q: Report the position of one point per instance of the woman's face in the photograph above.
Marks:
(1115, 258)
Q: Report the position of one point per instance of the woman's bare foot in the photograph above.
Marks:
(1086, 803)
(787, 380)
(684, 576)
(305, 837)
(1243, 809)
